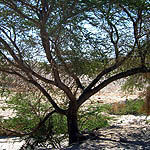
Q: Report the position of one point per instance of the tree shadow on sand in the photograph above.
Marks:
(128, 137)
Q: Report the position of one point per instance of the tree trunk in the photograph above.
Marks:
(73, 128)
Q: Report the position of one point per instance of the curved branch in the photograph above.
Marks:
(58, 82)
(13, 72)
(127, 73)
(108, 70)
(41, 122)
(9, 50)
(135, 22)
(127, 12)
(115, 43)
(33, 130)
(17, 133)
(34, 8)
(20, 62)
(13, 42)
(45, 93)
(26, 69)
(11, 5)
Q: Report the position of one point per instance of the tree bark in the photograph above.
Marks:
(73, 130)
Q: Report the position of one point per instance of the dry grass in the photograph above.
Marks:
(116, 107)
(146, 106)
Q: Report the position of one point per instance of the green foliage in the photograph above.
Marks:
(89, 119)
(59, 124)
(54, 130)
(132, 107)
(136, 82)
(103, 107)
(92, 118)
(27, 113)
(132, 84)
(135, 4)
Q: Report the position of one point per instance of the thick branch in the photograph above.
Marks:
(45, 93)
(58, 82)
(11, 5)
(108, 70)
(130, 72)
(33, 130)
(79, 84)
(13, 72)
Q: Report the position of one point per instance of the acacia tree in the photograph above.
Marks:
(71, 39)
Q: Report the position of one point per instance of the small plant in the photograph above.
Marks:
(146, 106)
(133, 107)
(92, 118)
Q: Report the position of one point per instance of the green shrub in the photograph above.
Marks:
(30, 110)
(27, 113)
(92, 118)
(133, 107)
(59, 124)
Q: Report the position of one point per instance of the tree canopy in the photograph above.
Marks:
(55, 43)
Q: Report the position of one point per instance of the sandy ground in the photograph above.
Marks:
(10, 143)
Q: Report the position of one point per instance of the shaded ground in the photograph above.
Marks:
(132, 137)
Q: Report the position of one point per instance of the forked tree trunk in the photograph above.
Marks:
(73, 130)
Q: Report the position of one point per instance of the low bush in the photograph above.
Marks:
(93, 118)
(29, 111)
(133, 107)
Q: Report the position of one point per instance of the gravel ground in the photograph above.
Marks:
(10, 143)
(126, 132)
